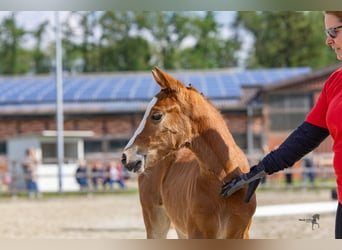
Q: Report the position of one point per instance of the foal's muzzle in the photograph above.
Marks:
(134, 163)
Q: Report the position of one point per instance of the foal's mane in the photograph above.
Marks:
(209, 122)
(207, 110)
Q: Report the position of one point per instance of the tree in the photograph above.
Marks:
(122, 47)
(168, 30)
(283, 39)
(210, 49)
(88, 23)
(41, 62)
(80, 43)
(11, 52)
(127, 54)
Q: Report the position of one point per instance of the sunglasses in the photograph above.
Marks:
(332, 32)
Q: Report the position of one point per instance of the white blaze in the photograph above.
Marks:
(143, 122)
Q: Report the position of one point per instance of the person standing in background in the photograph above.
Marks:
(81, 175)
(115, 175)
(98, 175)
(308, 170)
(30, 168)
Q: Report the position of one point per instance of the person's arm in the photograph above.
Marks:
(300, 142)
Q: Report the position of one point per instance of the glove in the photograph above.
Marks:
(252, 178)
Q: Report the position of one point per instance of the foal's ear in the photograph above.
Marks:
(165, 81)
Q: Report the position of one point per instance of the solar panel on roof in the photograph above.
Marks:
(13, 95)
(134, 87)
(117, 84)
(70, 86)
(48, 89)
(195, 81)
(51, 96)
(183, 78)
(105, 89)
(212, 88)
(84, 91)
(222, 84)
(31, 94)
(143, 90)
(125, 89)
(105, 93)
(214, 91)
(231, 86)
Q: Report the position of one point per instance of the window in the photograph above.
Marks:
(93, 146)
(100, 146)
(287, 111)
(117, 144)
(3, 148)
(49, 152)
(241, 141)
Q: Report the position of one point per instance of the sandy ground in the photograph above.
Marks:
(118, 216)
(289, 226)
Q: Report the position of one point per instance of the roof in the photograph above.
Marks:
(310, 76)
(119, 90)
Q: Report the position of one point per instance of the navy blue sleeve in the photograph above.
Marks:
(301, 141)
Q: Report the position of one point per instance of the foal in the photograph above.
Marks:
(184, 152)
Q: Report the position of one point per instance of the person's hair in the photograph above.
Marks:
(338, 14)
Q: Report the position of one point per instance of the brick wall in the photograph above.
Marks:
(237, 123)
(117, 125)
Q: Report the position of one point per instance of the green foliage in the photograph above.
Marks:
(210, 49)
(106, 41)
(10, 51)
(285, 39)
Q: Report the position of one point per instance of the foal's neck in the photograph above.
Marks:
(215, 148)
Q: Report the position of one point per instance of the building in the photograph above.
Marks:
(286, 104)
(112, 105)
(49, 174)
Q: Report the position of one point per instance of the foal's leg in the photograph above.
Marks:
(181, 235)
(157, 223)
(246, 232)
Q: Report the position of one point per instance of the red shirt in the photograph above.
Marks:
(327, 113)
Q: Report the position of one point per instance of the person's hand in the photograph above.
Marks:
(252, 178)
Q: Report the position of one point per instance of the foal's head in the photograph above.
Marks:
(171, 119)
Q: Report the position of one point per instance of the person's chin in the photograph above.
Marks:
(339, 54)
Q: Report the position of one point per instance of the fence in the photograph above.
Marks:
(14, 180)
(321, 175)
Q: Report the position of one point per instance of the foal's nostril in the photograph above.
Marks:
(137, 166)
(124, 159)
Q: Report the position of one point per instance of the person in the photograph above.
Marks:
(265, 150)
(81, 175)
(30, 168)
(322, 120)
(6, 181)
(98, 175)
(288, 177)
(308, 170)
(115, 175)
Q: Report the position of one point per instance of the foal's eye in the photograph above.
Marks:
(156, 116)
